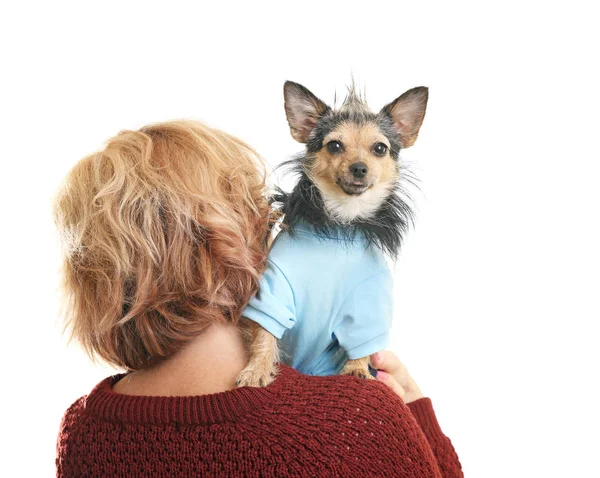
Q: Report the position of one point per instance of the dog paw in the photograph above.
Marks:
(256, 377)
(353, 370)
(359, 374)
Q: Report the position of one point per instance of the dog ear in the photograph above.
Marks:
(303, 110)
(407, 113)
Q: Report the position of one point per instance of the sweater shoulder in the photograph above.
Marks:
(348, 416)
(68, 431)
(339, 392)
(343, 399)
(73, 413)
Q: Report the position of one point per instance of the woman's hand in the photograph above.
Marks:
(394, 374)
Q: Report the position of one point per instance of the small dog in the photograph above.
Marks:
(327, 290)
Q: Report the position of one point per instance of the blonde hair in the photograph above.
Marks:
(164, 233)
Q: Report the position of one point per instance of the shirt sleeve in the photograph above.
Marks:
(365, 317)
(273, 305)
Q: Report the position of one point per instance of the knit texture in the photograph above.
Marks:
(297, 426)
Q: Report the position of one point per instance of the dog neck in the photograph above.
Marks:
(381, 217)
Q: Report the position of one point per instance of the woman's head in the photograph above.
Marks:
(164, 233)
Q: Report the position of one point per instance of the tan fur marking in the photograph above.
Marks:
(329, 169)
(358, 142)
(357, 368)
(264, 356)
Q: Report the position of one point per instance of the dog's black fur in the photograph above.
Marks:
(385, 230)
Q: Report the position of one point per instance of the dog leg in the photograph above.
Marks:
(264, 356)
(357, 368)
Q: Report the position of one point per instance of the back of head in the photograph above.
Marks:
(164, 233)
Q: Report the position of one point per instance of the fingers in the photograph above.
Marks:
(389, 366)
(391, 382)
(387, 361)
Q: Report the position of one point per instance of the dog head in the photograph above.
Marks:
(351, 152)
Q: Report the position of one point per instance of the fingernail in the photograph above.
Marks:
(377, 356)
(382, 375)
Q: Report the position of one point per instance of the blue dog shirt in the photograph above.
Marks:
(328, 299)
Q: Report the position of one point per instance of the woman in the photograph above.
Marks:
(164, 241)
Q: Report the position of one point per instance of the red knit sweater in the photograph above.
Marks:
(298, 426)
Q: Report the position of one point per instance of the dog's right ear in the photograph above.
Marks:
(303, 110)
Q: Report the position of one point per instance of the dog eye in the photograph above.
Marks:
(334, 147)
(380, 149)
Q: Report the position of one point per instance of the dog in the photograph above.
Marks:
(326, 293)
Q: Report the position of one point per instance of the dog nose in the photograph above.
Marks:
(359, 170)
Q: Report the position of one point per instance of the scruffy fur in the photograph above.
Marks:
(264, 356)
(350, 180)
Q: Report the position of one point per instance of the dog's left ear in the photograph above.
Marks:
(407, 113)
(303, 110)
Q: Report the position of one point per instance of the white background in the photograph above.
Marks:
(497, 286)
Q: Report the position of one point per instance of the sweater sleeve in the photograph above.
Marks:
(273, 305)
(365, 317)
(68, 426)
(422, 411)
